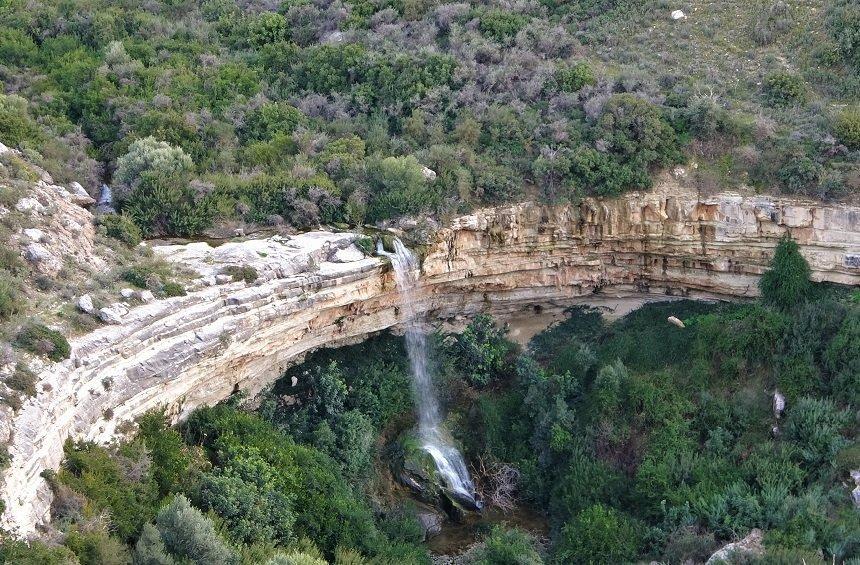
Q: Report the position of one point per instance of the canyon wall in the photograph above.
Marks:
(319, 289)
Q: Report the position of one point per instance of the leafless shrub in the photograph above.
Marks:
(496, 483)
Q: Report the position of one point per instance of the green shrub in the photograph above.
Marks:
(482, 350)
(843, 22)
(504, 546)
(800, 175)
(172, 289)
(786, 284)
(97, 548)
(597, 535)
(10, 301)
(846, 126)
(399, 188)
(16, 125)
(42, 340)
(783, 89)
(35, 553)
(245, 273)
(22, 380)
(500, 25)
(149, 156)
(572, 78)
(189, 535)
(842, 359)
(815, 426)
(121, 227)
(108, 480)
(270, 120)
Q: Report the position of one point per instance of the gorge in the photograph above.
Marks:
(317, 289)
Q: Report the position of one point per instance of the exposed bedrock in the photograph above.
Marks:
(317, 289)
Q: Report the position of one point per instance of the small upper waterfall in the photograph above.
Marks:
(449, 461)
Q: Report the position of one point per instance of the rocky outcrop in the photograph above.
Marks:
(222, 337)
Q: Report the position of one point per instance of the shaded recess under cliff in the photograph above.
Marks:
(319, 289)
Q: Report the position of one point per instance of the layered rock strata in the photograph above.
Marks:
(318, 289)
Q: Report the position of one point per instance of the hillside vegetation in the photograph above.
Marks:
(299, 112)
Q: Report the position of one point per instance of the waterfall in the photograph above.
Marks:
(434, 440)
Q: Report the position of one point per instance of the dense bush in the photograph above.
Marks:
(846, 127)
(121, 227)
(783, 89)
(507, 546)
(483, 351)
(598, 534)
(786, 284)
(42, 340)
(148, 155)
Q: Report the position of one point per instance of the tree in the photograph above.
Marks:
(149, 155)
(398, 188)
(786, 283)
(188, 534)
(150, 550)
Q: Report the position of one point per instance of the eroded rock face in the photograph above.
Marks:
(184, 352)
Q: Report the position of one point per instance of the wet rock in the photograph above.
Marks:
(431, 521)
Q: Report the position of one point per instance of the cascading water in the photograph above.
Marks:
(449, 462)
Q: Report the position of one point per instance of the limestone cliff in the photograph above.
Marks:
(318, 289)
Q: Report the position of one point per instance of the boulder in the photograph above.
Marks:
(348, 255)
(678, 15)
(429, 174)
(145, 296)
(675, 322)
(223, 279)
(34, 234)
(431, 521)
(79, 195)
(127, 293)
(29, 205)
(750, 546)
(85, 304)
(44, 259)
(778, 404)
(113, 314)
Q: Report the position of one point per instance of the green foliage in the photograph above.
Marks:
(166, 204)
(574, 77)
(153, 157)
(16, 125)
(35, 553)
(170, 458)
(22, 380)
(399, 188)
(846, 126)
(117, 482)
(784, 89)
(245, 273)
(598, 534)
(269, 120)
(97, 548)
(121, 227)
(189, 535)
(42, 340)
(815, 426)
(786, 284)
(10, 301)
(505, 546)
(501, 25)
(843, 22)
(483, 349)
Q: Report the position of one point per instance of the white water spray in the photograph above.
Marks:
(449, 462)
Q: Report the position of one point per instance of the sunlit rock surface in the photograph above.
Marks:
(184, 352)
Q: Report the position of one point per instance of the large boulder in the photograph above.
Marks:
(740, 551)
